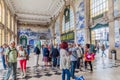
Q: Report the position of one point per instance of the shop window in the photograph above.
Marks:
(98, 7)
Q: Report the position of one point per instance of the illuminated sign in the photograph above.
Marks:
(67, 36)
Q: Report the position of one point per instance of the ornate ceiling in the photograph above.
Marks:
(35, 11)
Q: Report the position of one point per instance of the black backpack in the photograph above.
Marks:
(55, 52)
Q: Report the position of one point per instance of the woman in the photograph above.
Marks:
(88, 57)
(22, 57)
(64, 61)
(103, 50)
(45, 55)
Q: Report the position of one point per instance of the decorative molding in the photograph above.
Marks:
(37, 19)
(33, 13)
(32, 24)
(10, 6)
(53, 10)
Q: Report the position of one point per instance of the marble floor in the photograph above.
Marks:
(104, 69)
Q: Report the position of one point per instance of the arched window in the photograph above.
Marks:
(0, 12)
(71, 19)
(98, 7)
(3, 12)
(69, 26)
(8, 19)
(63, 25)
(12, 23)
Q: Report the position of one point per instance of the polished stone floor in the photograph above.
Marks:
(104, 69)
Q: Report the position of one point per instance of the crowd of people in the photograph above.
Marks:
(65, 56)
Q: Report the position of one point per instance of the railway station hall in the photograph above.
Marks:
(59, 39)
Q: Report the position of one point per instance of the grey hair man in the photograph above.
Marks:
(11, 61)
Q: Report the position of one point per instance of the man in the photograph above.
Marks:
(73, 58)
(37, 53)
(11, 61)
(2, 56)
(54, 54)
(80, 56)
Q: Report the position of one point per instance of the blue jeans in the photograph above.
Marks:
(73, 66)
(12, 67)
(103, 53)
(65, 72)
(3, 61)
(58, 61)
(54, 60)
(28, 52)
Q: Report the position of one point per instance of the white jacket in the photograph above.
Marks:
(64, 59)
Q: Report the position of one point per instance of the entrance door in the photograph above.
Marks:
(23, 41)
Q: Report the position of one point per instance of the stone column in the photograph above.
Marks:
(15, 30)
(118, 49)
(87, 20)
(5, 37)
(111, 26)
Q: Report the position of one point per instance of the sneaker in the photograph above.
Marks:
(24, 76)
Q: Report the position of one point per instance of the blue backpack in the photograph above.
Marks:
(79, 78)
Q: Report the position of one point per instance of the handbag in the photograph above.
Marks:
(27, 57)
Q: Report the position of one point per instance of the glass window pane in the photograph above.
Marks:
(100, 6)
(0, 12)
(3, 12)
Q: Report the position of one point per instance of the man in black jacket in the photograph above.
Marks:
(36, 53)
(55, 54)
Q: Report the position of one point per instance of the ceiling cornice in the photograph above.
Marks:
(52, 12)
(9, 5)
(29, 13)
(32, 24)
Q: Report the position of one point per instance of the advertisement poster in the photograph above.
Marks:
(117, 37)
(116, 11)
(80, 19)
(80, 37)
